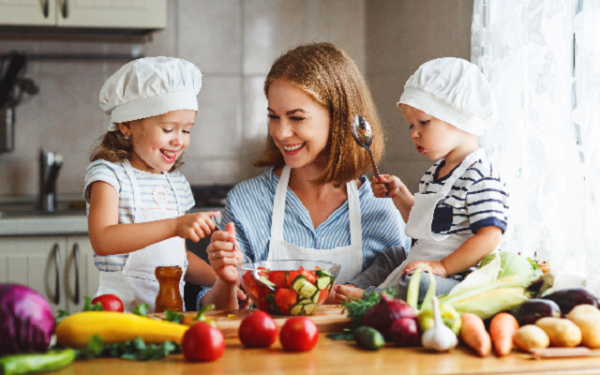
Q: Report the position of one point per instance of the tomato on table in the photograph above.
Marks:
(203, 342)
(299, 334)
(109, 302)
(258, 330)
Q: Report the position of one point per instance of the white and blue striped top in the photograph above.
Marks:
(249, 206)
(477, 199)
(156, 194)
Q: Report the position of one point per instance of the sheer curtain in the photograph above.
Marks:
(542, 58)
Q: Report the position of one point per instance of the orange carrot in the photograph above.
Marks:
(502, 329)
(473, 333)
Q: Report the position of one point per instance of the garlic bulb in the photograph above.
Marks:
(439, 338)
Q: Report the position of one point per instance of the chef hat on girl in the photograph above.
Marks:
(454, 91)
(148, 87)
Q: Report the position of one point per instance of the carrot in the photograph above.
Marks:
(502, 330)
(473, 333)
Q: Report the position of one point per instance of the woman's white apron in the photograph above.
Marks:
(137, 283)
(430, 245)
(350, 257)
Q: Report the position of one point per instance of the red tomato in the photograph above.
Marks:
(278, 278)
(323, 296)
(310, 276)
(203, 342)
(299, 333)
(291, 276)
(109, 302)
(258, 330)
(285, 298)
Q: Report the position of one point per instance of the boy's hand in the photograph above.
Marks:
(343, 292)
(386, 184)
(196, 226)
(432, 266)
(223, 254)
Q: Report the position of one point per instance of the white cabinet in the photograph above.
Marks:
(60, 268)
(117, 14)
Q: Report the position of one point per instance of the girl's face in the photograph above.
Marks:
(299, 126)
(432, 137)
(158, 141)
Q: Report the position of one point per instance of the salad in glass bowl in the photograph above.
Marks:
(288, 287)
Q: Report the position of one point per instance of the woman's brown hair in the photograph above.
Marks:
(115, 147)
(331, 78)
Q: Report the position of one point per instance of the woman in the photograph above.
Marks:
(312, 202)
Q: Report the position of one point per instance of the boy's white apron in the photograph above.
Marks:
(137, 283)
(350, 257)
(430, 245)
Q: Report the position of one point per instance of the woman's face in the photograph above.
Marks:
(299, 126)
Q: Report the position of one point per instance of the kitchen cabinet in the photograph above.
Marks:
(61, 268)
(114, 14)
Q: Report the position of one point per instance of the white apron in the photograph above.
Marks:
(350, 257)
(137, 283)
(430, 245)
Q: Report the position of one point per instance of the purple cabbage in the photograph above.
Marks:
(26, 320)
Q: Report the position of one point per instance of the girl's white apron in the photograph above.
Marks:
(350, 257)
(430, 245)
(137, 283)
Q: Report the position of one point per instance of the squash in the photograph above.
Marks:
(76, 330)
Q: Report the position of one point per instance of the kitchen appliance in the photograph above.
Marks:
(50, 164)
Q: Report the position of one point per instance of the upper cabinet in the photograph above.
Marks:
(97, 14)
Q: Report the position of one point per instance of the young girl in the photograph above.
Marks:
(136, 198)
(460, 212)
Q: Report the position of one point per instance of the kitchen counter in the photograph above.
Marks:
(340, 357)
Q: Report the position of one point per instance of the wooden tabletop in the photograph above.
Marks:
(340, 357)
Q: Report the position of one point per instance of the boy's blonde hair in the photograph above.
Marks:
(330, 77)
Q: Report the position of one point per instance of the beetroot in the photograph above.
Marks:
(405, 332)
(382, 315)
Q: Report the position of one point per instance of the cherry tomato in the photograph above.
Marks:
(258, 330)
(299, 334)
(203, 342)
(109, 302)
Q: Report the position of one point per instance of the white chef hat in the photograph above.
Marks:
(148, 87)
(452, 90)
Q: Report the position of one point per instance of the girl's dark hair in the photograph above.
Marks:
(332, 79)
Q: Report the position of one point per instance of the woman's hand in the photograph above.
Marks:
(196, 226)
(343, 292)
(434, 266)
(386, 184)
(223, 254)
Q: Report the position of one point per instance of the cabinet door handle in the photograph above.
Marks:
(76, 259)
(65, 8)
(45, 8)
(56, 251)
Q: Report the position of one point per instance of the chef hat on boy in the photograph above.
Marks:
(452, 90)
(148, 87)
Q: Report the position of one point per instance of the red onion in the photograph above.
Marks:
(382, 315)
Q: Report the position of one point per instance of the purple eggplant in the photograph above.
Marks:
(566, 299)
(530, 311)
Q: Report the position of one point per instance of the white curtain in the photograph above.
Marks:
(542, 58)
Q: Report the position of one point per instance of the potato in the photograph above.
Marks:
(562, 332)
(531, 337)
(587, 318)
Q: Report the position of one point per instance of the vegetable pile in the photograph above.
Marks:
(297, 292)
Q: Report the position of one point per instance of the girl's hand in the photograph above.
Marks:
(223, 254)
(433, 266)
(386, 184)
(343, 292)
(196, 226)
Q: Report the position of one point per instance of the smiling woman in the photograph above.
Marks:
(313, 202)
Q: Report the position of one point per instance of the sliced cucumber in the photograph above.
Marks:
(270, 297)
(304, 301)
(296, 310)
(323, 282)
(309, 309)
(323, 273)
(303, 287)
(315, 298)
(266, 281)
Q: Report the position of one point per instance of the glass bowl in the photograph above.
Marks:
(288, 287)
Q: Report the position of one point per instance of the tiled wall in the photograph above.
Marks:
(233, 42)
(401, 35)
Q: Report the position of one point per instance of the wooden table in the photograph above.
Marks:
(340, 357)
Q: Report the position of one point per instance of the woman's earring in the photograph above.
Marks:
(126, 136)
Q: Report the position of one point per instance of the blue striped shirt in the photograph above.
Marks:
(249, 206)
(154, 188)
(477, 199)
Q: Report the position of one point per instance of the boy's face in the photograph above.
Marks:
(432, 137)
(158, 141)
